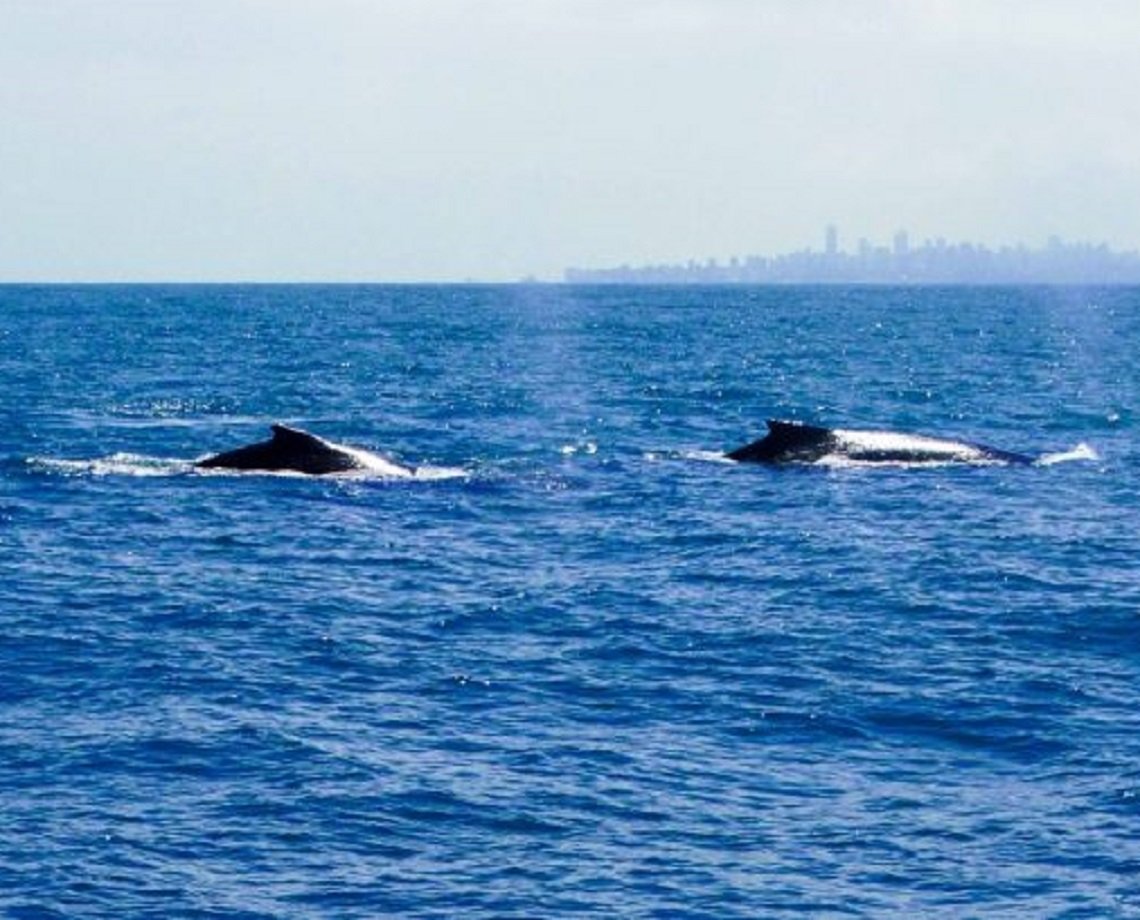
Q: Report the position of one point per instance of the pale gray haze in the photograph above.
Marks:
(438, 140)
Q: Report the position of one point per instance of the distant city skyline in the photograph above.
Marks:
(934, 261)
(394, 140)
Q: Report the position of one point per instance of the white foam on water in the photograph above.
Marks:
(119, 464)
(438, 473)
(584, 447)
(705, 456)
(377, 465)
(1082, 451)
(127, 464)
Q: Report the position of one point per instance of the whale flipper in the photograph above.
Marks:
(291, 449)
(795, 442)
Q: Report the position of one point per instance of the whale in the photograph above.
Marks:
(797, 442)
(298, 451)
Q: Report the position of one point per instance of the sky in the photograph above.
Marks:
(447, 140)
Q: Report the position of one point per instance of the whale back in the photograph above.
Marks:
(288, 449)
(795, 442)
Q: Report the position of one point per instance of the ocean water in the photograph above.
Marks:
(580, 665)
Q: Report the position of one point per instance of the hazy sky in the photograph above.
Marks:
(445, 139)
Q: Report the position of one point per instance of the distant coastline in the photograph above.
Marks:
(932, 262)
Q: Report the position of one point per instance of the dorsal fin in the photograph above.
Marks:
(784, 427)
(283, 434)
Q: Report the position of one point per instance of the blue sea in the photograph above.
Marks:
(580, 665)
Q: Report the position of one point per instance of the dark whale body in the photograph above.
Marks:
(795, 442)
(294, 450)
